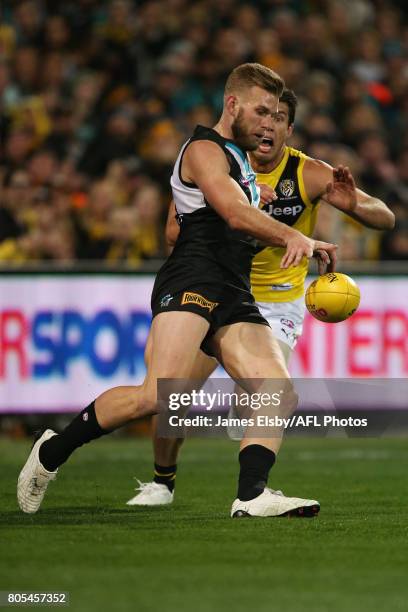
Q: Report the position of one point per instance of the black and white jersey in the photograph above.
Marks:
(207, 250)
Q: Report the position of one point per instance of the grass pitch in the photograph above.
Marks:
(191, 556)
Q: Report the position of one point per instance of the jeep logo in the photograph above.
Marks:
(286, 214)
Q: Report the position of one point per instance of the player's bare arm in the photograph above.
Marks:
(205, 165)
(325, 263)
(172, 227)
(336, 187)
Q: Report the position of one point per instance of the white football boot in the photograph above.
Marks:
(34, 478)
(151, 494)
(275, 503)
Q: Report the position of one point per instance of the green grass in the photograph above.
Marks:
(192, 556)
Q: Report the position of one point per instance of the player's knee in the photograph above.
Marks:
(146, 404)
(150, 404)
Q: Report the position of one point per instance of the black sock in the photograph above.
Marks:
(84, 428)
(165, 475)
(255, 461)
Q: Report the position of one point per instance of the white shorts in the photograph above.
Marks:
(285, 319)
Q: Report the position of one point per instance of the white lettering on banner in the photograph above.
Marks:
(64, 340)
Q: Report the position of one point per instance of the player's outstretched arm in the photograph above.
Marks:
(336, 187)
(206, 166)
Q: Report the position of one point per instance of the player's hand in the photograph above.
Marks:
(325, 263)
(297, 247)
(267, 194)
(341, 191)
(300, 246)
(326, 255)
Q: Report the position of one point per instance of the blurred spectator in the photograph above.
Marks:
(369, 64)
(42, 167)
(57, 33)
(96, 97)
(26, 70)
(28, 20)
(377, 169)
(136, 230)
(43, 233)
(116, 140)
(93, 222)
(267, 49)
(15, 200)
(320, 93)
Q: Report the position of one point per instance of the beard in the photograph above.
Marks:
(243, 139)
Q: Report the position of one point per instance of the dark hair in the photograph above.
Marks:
(248, 75)
(288, 97)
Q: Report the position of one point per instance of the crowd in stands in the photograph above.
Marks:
(96, 98)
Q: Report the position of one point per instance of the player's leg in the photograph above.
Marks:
(166, 450)
(176, 338)
(286, 351)
(236, 431)
(286, 322)
(160, 490)
(252, 357)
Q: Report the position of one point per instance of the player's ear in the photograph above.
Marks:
(290, 130)
(231, 104)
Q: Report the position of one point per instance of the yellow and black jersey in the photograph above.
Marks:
(293, 207)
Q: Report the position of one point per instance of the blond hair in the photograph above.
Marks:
(252, 74)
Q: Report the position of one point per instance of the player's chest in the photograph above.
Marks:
(245, 177)
(290, 207)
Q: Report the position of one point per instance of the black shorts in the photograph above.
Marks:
(219, 307)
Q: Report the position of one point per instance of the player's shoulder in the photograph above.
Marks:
(202, 145)
(317, 165)
(204, 150)
(309, 162)
(206, 139)
(203, 134)
(204, 156)
(296, 153)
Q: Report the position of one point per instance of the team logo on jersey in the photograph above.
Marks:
(287, 187)
(195, 298)
(165, 301)
(244, 181)
(284, 211)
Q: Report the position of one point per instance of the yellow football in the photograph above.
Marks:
(333, 297)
